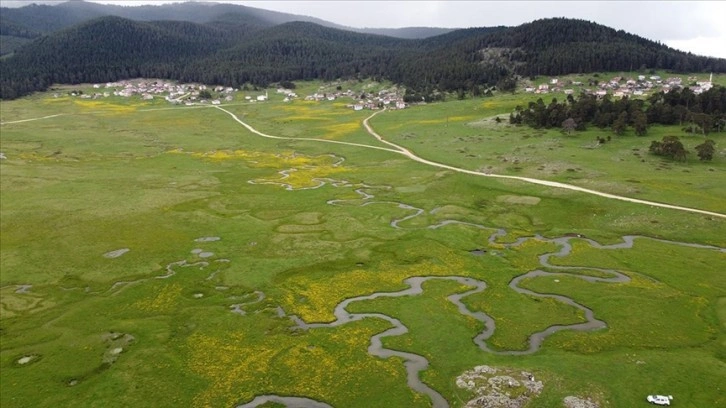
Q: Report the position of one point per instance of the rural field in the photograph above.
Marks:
(264, 254)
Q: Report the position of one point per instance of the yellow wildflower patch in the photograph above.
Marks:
(312, 109)
(319, 372)
(238, 367)
(428, 121)
(105, 107)
(307, 118)
(34, 156)
(300, 171)
(57, 100)
(462, 118)
(341, 129)
(314, 298)
(306, 177)
(164, 301)
(233, 368)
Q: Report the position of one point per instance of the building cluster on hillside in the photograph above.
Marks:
(620, 86)
(171, 92)
(289, 94)
(191, 94)
(363, 100)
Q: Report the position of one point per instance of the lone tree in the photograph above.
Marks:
(703, 121)
(568, 125)
(706, 150)
(640, 123)
(621, 123)
(669, 147)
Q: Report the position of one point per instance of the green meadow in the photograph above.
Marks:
(155, 255)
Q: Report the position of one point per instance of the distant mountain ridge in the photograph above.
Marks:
(235, 45)
(34, 20)
(410, 33)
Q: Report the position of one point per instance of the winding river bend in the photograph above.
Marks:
(292, 402)
(415, 363)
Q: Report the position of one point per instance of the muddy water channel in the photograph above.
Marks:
(415, 363)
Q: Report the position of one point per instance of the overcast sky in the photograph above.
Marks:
(695, 26)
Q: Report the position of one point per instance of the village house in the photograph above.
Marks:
(705, 85)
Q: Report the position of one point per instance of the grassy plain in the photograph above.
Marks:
(118, 174)
(465, 134)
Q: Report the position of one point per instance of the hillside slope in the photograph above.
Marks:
(239, 48)
(46, 19)
(105, 49)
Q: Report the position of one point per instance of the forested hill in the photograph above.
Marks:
(109, 48)
(32, 20)
(46, 19)
(239, 48)
(559, 45)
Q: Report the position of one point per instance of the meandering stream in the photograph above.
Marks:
(415, 363)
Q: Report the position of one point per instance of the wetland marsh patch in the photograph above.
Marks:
(232, 293)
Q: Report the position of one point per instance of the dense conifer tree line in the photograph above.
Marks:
(237, 49)
(703, 113)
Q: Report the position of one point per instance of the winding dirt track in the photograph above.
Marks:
(32, 119)
(412, 156)
(402, 150)
(309, 139)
